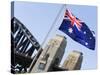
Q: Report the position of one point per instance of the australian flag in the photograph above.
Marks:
(77, 30)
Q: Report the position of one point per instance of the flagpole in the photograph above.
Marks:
(57, 28)
(53, 24)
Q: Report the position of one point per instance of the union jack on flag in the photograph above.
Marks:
(77, 30)
(73, 19)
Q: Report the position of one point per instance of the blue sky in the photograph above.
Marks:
(39, 17)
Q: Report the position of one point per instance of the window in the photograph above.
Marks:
(43, 62)
(41, 66)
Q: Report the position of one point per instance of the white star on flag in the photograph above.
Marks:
(70, 30)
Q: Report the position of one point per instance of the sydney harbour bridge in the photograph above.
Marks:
(25, 60)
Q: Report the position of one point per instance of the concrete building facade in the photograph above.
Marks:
(73, 61)
(51, 55)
